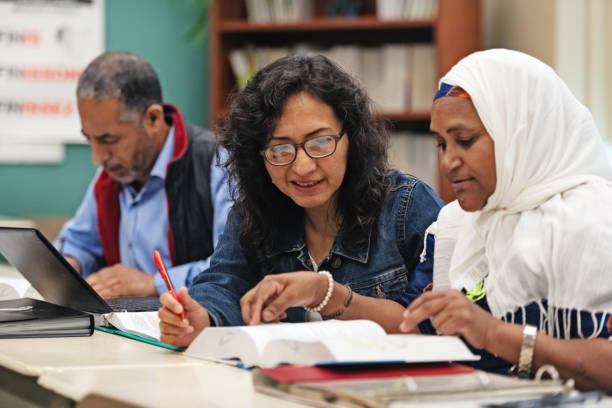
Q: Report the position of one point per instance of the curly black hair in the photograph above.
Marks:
(262, 208)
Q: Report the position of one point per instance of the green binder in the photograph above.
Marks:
(139, 338)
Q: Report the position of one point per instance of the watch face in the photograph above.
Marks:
(530, 330)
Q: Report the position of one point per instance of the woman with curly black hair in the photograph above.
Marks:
(312, 193)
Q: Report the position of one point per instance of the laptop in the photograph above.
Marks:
(55, 279)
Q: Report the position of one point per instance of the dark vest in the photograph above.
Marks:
(187, 185)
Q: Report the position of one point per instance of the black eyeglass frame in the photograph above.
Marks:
(296, 145)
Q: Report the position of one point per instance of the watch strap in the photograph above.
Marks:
(525, 362)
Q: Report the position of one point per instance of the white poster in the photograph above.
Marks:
(31, 153)
(44, 46)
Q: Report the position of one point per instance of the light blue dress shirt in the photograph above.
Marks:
(144, 224)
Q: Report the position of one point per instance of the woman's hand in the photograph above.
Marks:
(452, 313)
(177, 332)
(269, 299)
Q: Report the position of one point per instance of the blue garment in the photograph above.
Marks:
(381, 269)
(143, 226)
(421, 276)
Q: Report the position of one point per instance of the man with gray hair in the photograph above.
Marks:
(159, 185)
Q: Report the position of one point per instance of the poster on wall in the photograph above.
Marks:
(44, 46)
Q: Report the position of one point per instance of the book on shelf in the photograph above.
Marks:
(424, 77)
(389, 9)
(25, 317)
(258, 11)
(368, 71)
(410, 9)
(347, 56)
(415, 153)
(343, 8)
(242, 68)
(246, 61)
(266, 55)
(326, 342)
(278, 11)
(397, 77)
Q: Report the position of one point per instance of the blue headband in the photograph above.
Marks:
(451, 90)
(443, 91)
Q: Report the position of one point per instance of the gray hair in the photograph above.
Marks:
(124, 76)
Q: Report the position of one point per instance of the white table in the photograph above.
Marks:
(110, 368)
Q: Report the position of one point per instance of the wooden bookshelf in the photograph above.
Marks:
(366, 23)
(455, 32)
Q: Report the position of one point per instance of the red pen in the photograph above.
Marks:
(157, 258)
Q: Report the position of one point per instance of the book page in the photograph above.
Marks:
(410, 348)
(143, 324)
(249, 342)
(295, 352)
(311, 331)
(13, 288)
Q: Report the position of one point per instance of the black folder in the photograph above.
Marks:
(27, 317)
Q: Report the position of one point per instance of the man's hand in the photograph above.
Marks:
(120, 280)
(73, 262)
(177, 332)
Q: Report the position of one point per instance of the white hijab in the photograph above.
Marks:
(546, 231)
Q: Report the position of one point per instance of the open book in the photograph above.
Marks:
(141, 326)
(14, 287)
(331, 341)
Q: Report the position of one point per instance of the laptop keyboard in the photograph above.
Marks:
(133, 304)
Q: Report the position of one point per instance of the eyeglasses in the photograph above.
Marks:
(316, 148)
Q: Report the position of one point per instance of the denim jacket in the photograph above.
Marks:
(382, 269)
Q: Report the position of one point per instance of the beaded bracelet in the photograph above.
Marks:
(330, 289)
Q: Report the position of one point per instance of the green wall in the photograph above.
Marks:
(157, 30)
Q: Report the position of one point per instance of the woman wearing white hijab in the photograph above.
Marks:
(531, 230)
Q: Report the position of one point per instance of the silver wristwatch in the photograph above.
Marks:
(525, 362)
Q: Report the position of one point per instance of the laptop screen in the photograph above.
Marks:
(47, 270)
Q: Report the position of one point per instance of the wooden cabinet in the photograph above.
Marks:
(454, 32)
